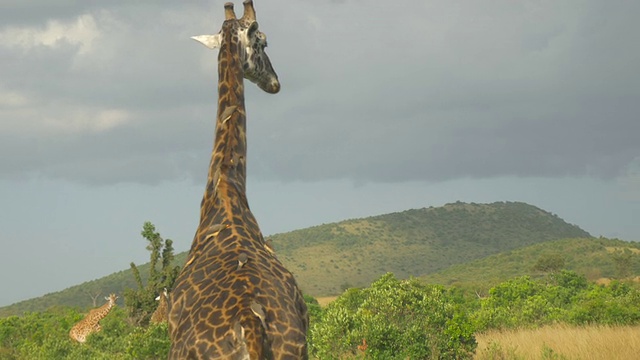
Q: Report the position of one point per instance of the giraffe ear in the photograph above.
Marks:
(210, 41)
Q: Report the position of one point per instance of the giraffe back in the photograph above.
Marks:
(224, 310)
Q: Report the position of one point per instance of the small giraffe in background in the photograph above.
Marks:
(234, 299)
(160, 315)
(90, 323)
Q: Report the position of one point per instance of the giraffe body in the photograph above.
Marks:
(90, 324)
(160, 315)
(233, 298)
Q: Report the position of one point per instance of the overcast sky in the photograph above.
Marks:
(107, 110)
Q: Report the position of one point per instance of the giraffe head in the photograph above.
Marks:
(250, 43)
(111, 299)
(164, 293)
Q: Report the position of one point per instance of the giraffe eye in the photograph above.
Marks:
(253, 28)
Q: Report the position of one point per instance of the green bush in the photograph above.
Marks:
(616, 304)
(45, 336)
(568, 297)
(149, 343)
(398, 319)
(519, 302)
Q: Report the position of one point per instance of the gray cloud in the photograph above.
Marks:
(400, 91)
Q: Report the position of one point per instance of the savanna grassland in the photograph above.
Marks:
(464, 281)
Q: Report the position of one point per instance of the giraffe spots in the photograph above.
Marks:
(198, 276)
(239, 287)
(230, 302)
(223, 88)
(219, 332)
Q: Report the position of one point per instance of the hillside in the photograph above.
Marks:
(328, 258)
(590, 257)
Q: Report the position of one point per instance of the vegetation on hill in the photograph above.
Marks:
(595, 258)
(329, 258)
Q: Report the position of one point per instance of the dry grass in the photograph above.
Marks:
(561, 342)
(607, 281)
(325, 300)
(611, 249)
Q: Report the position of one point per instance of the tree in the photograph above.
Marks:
(141, 302)
(94, 296)
(549, 264)
(623, 260)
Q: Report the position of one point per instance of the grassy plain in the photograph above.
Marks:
(561, 342)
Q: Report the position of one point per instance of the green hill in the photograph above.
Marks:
(591, 257)
(328, 258)
(352, 253)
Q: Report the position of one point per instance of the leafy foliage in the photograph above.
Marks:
(141, 302)
(549, 263)
(568, 298)
(623, 259)
(391, 319)
(44, 336)
(394, 319)
(591, 257)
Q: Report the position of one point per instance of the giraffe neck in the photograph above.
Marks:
(102, 311)
(227, 169)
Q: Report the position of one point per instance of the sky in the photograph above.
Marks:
(107, 111)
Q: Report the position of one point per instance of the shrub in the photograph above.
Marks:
(396, 320)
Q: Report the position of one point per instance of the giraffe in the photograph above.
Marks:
(160, 315)
(233, 298)
(90, 323)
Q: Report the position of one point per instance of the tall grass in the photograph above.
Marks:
(561, 342)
